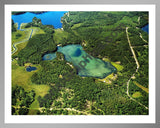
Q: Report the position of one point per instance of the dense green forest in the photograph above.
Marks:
(21, 100)
(36, 47)
(102, 35)
(13, 27)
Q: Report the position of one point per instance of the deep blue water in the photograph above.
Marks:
(146, 28)
(77, 52)
(29, 69)
(47, 18)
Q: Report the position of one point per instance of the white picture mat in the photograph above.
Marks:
(80, 119)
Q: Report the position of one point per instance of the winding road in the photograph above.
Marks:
(142, 38)
(14, 45)
(137, 63)
(41, 109)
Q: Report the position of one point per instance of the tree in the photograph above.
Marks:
(13, 27)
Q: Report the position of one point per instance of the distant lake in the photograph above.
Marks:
(47, 18)
(86, 65)
(145, 28)
(29, 69)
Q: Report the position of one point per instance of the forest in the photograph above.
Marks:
(102, 35)
(36, 48)
(21, 100)
(49, 29)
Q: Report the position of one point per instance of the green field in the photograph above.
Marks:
(58, 35)
(115, 64)
(140, 86)
(20, 47)
(22, 78)
(24, 35)
(137, 95)
(76, 25)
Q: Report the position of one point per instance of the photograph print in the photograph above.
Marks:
(79, 63)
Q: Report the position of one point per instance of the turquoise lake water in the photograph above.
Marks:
(86, 65)
(47, 18)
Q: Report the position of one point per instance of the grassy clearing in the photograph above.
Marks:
(118, 67)
(22, 78)
(76, 25)
(20, 47)
(41, 90)
(137, 95)
(115, 64)
(24, 35)
(34, 107)
(128, 21)
(106, 59)
(36, 30)
(109, 79)
(58, 35)
(140, 86)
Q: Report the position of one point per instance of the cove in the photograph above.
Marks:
(47, 18)
(86, 65)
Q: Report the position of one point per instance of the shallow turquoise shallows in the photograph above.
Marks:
(87, 66)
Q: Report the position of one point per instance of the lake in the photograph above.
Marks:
(146, 28)
(29, 69)
(47, 18)
(86, 65)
